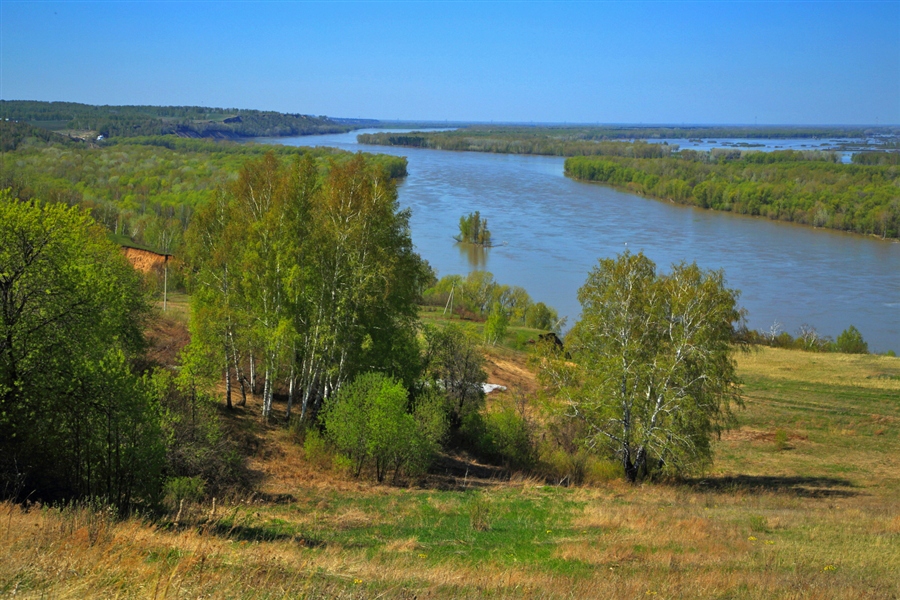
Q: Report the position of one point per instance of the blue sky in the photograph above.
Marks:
(587, 62)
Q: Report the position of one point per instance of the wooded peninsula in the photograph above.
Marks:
(808, 187)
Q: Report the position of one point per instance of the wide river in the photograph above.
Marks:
(554, 229)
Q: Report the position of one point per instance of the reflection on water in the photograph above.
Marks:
(557, 228)
(475, 254)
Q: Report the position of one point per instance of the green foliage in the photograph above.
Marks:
(810, 190)
(14, 135)
(195, 444)
(184, 489)
(851, 342)
(651, 373)
(588, 141)
(190, 121)
(77, 421)
(496, 325)
(315, 448)
(876, 158)
(316, 275)
(369, 421)
(146, 188)
(479, 295)
(541, 316)
(473, 230)
(505, 436)
(454, 363)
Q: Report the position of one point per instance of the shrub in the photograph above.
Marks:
(184, 489)
(851, 342)
(315, 449)
(480, 513)
(503, 436)
(369, 421)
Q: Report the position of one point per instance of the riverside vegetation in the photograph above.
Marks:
(806, 187)
(304, 288)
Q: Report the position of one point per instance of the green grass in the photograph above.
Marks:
(816, 517)
(516, 338)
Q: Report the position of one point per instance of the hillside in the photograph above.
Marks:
(85, 120)
(800, 503)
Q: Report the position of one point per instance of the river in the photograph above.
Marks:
(553, 230)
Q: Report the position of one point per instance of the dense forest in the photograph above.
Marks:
(588, 141)
(809, 189)
(186, 121)
(142, 188)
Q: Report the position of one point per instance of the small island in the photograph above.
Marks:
(473, 230)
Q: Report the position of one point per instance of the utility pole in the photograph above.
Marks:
(165, 280)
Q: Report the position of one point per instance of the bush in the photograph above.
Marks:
(503, 436)
(196, 446)
(179, 490)
(315, 449)
(851, 342)
(369, 421)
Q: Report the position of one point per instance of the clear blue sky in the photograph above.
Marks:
(607, 62)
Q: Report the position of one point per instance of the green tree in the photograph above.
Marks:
(541, 316)
(496, 325)
(651, 371)
(851, 342)
(454, 363)
(473, 230)
(369, 420)
(76, 421)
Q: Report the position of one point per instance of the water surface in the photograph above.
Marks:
(554, 229)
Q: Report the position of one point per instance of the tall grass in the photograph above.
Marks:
(816, 518)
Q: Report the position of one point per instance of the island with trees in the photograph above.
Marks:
(473, 229)
(590, 140)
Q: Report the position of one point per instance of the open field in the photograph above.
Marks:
(803, 501)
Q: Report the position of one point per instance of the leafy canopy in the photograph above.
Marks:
(651, 373)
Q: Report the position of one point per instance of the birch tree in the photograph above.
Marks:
(316, 276)
(361, 281)
(651, 372)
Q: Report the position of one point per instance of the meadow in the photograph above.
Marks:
(802, 501)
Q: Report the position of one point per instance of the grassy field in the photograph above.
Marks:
(803, 501)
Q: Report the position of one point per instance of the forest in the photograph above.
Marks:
(594, 140)
(805, 188)
(186, 121)
(144, 189)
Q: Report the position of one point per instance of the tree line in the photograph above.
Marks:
(191, 121)
(811, 191)
(145, 189)
(599, 139)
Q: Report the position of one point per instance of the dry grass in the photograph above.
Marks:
(857, 370)
(817, 517)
